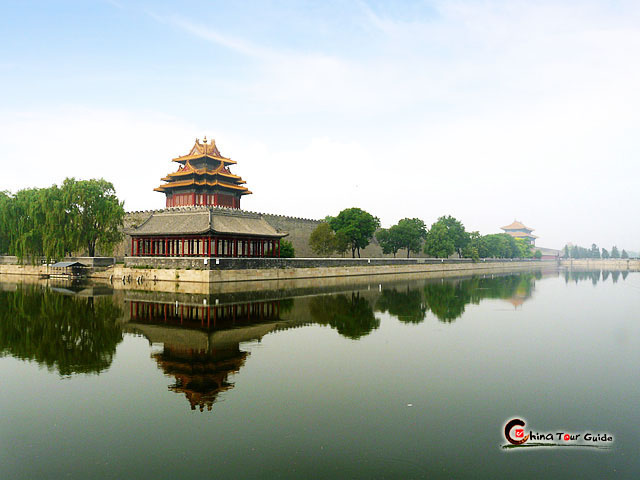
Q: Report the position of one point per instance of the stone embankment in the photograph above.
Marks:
(292, 269)
(608, 264)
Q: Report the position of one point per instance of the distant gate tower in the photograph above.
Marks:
(203, 178)
(519, 230)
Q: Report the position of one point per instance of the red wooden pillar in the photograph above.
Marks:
(193, 198)
(278, 248)
(166, 247)
(182, 249)
(215, 199)
(209, 247)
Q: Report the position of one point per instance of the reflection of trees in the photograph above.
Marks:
(70, 334)
(447, 300)
(594, 276)
(408, 306)
(352, 316)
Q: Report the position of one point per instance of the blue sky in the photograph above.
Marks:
(485, 110)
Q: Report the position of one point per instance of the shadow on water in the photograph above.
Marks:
(76, 328)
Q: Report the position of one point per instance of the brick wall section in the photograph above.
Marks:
(300, 229)
(131, 220)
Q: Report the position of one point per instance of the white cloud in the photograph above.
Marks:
(130, 149)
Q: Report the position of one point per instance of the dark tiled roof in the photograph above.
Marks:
(193, 221)
(67, 264)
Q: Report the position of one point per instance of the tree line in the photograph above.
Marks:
(56, 221)
(575, 251)
(353, 229)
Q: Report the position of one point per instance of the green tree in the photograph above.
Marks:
(357, 226)
(409, 233)
(472, 249)
(341, 243)
(525, 249)
(624, 254)
(439, 243)
(605, 253)
(322, 240)
(286, 249)
(537, 255)
(456, 232)
(595, 251)
(5, 226)
(498, 245)
(614, 252)
(389, 242)
(95, 214)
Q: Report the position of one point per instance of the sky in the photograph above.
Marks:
(488, 111)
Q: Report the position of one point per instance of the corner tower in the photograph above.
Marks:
(519, 230)
(203, 178)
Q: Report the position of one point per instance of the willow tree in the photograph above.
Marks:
(94, 213)
(5, 202)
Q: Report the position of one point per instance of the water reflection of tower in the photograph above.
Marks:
(201, 375)
(202, 342)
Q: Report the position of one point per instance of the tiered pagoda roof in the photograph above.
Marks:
(516, 225)
(204, 166)
(519, 230)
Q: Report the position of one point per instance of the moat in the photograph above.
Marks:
(374, 377)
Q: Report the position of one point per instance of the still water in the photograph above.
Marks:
(379, 378)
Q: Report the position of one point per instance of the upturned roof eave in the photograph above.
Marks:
(184, 158)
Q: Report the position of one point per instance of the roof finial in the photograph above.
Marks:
(205, 139)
